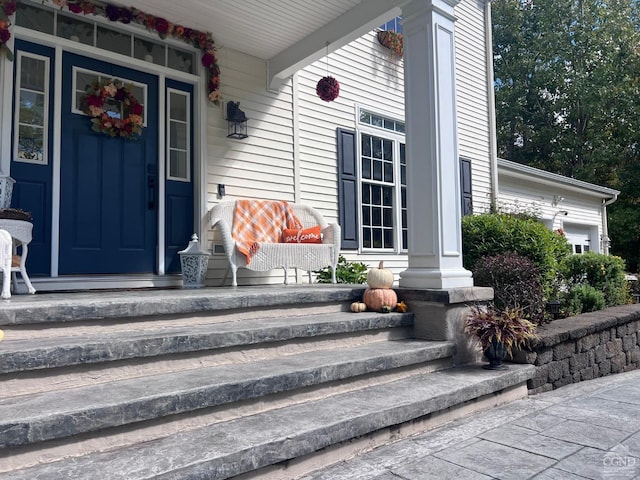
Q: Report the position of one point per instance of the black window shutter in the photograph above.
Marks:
(465, 186)
(347, 188)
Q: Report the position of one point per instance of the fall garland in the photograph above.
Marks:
(159, 25)
(99, 93)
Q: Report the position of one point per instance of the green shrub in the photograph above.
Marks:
(494, 233)
(583, 298)
(516, 284)
(346, 272)
(605, 273)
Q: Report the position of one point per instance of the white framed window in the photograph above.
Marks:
(178, 140)
(100, 33)
(82, 78)
(31, 120)
(382, 171)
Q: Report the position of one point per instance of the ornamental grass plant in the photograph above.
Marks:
(508, 327)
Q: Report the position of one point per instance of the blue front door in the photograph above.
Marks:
(108, 186)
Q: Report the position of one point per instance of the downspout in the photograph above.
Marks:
(491, 99)
(605, 223)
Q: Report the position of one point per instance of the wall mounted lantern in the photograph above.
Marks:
(236, 121)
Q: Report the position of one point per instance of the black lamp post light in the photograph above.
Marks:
(553, 307)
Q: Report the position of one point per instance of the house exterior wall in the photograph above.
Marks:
(473, 99)
(261, 166)
(372, 79)
(549, 202)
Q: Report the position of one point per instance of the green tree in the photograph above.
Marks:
(568, 97)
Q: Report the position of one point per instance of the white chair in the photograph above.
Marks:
(6, 250)
(306, 256)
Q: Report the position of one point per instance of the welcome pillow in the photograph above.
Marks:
(305, 235)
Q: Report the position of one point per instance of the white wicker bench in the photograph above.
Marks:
(306, 256)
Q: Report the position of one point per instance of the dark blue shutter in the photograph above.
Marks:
(347, 188)
(465, 186)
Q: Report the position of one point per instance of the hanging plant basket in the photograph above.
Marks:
(328, 89)
(391, 40)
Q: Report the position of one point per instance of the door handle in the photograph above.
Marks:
(151, 189)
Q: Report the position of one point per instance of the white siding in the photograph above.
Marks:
(584, 212)
(472, 97)
(263, 166)
(260, 166)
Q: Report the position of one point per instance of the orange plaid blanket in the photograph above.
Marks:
(260, 221)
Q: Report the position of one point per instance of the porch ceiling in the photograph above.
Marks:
(288, 33)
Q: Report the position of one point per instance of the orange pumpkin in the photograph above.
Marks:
(376, 298)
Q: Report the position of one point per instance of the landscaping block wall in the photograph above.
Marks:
(583, 347)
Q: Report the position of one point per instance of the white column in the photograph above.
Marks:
(433, 180)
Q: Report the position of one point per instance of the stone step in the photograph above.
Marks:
(58, 414)
(250, 443)
(22, 350)
(74, 307)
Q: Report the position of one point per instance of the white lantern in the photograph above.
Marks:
(194, 263)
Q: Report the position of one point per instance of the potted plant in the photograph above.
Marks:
(498, 332)
(391, 40)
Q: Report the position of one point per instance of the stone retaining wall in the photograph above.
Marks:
(583, 347)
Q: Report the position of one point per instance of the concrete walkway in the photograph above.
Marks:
(586, 430)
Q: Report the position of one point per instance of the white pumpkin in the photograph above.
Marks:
(380, 277)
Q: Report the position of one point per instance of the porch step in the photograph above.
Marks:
(254, 442)
(30, 420)
(70, 344)
(218, 383)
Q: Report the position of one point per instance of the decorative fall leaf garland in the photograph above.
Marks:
(159, 25)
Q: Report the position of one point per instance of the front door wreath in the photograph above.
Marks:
(113, 109)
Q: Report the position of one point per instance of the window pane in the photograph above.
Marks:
(180, 60)
(31, 108)
(366, 168)
(178, 135)
(31, 143)
(387, 149)
(365, 117)
(376, 195)
(32, 71)
(366, 145)
(388, 172)
(376, 121)
(34, 18)
(388, 217)
(178, 106)
(148, 51)
(75, 29)
(376, 144)
(114, 41)
(377, 238)
(366, 238)
(377, 170)
(405, 241)
(366, 215)
(83, 80)
(388, 238)
(139, 93)
(376, 217)
(366, 194)
(387, 196)
(178, 164)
